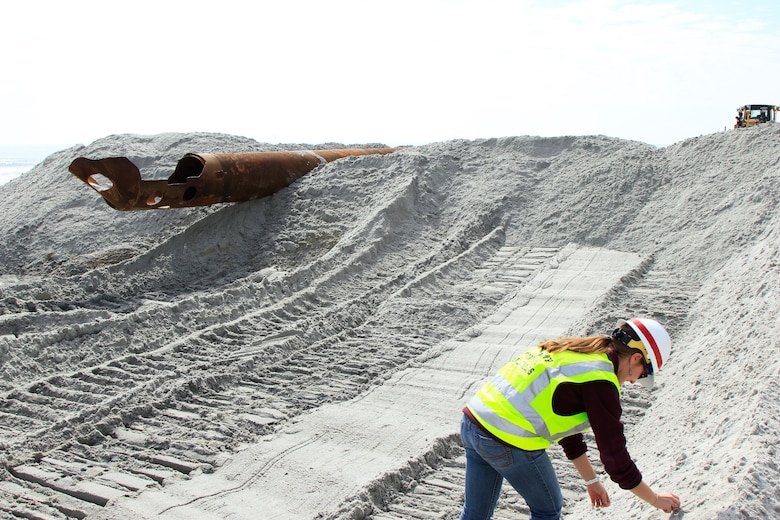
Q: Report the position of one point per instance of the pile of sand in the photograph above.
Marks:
(158, 353)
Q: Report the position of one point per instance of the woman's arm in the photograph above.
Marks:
(669, 502)
(596, 490)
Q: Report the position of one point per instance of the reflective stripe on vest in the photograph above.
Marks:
(516, 405)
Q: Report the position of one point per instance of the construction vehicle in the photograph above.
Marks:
(751, 115)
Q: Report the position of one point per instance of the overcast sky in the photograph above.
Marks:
(400, 72)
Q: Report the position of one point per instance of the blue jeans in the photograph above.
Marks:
(488, 463)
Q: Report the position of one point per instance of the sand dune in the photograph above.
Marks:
(306, 355)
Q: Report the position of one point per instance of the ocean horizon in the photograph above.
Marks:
(16, 159)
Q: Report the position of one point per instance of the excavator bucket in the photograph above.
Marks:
(203, 179)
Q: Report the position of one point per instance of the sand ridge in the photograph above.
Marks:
(143, 354)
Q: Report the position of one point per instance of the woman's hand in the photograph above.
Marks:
(668, 502)
(598, 495)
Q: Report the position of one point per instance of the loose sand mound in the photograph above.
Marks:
(198, 363)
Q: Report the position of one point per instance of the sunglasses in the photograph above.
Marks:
(626, 339)
(648, 370)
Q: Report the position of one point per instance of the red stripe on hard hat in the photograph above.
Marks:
(641, 326)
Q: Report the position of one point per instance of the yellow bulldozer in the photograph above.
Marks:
(751, 115)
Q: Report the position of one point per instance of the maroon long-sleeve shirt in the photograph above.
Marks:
(601, 402)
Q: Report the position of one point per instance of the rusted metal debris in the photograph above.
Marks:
(203, 179)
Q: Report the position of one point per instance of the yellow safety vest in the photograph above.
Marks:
(516, 405)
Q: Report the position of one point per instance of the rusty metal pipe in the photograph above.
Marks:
(203, 179)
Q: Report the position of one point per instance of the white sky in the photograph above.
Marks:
(395, 72)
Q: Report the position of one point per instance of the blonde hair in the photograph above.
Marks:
(592, 345)
(586, 345)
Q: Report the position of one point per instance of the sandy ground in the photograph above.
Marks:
(307, 355)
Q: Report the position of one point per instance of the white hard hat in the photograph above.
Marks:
(656, 344)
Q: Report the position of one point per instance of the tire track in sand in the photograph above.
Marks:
(140, 420)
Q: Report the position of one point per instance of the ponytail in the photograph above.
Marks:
(589, 345)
